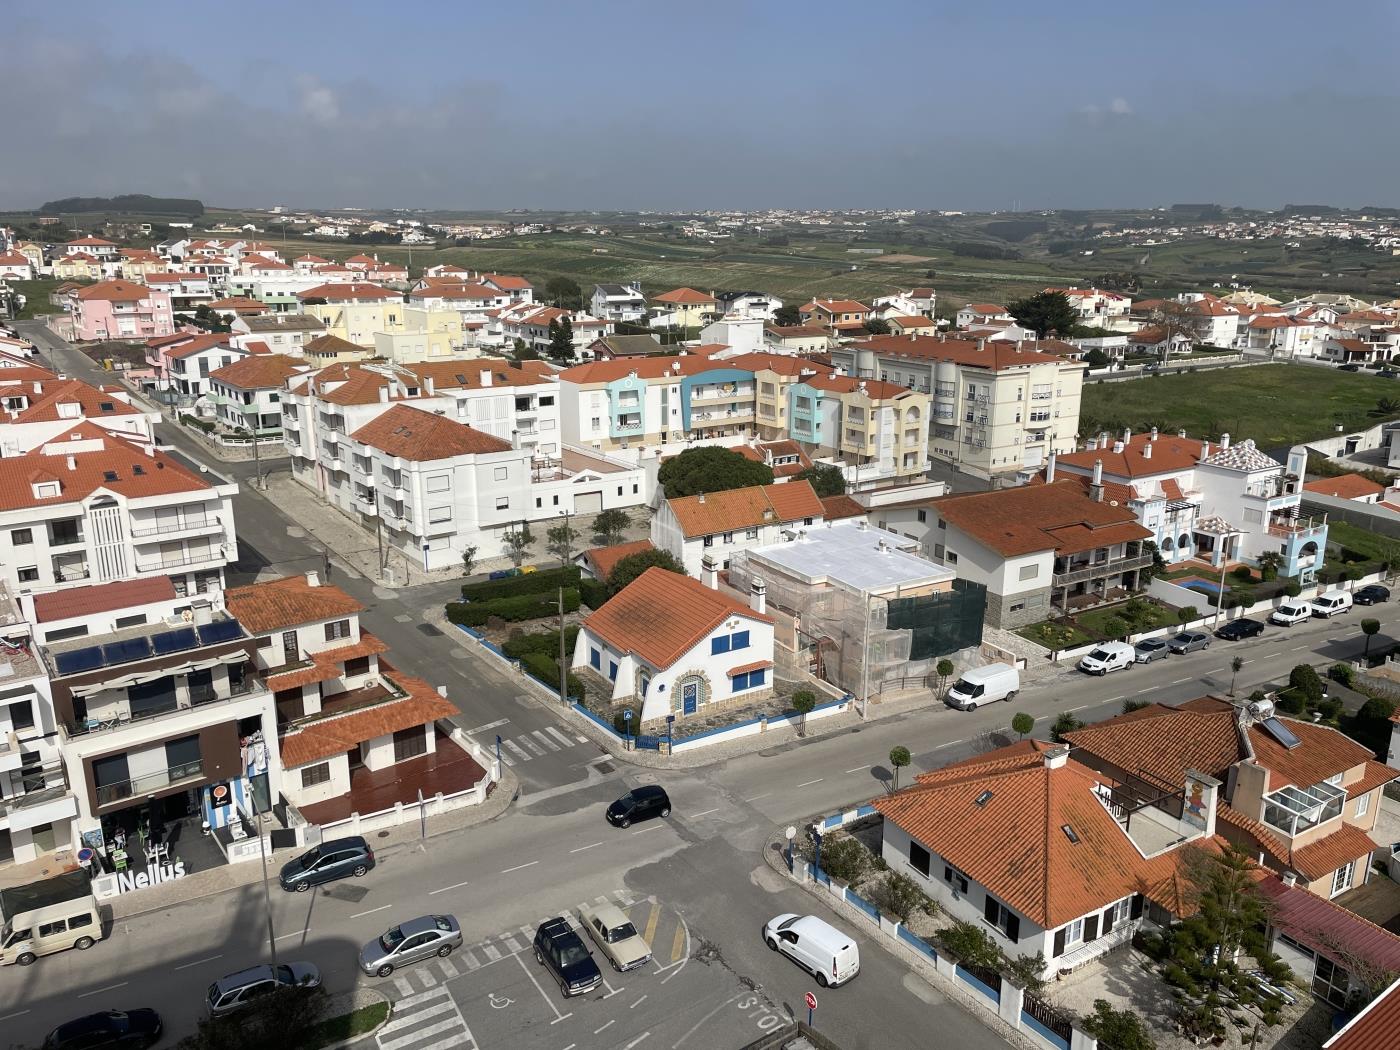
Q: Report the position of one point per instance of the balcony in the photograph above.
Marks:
(175, 528)
(628, 425)
(1082, 572)
(1293, 810)
(149, 783)
(199, 700)
(1287, 527)
(214, 555)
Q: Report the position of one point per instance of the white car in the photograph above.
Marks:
(818, 947)
(615, 936)
(1108, 656)
(1295, 610)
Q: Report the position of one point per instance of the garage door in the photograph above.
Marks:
(588, 502)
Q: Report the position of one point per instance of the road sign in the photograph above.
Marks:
(811, 1001)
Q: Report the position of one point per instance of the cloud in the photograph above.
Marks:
(317, 100)
(1120, 106)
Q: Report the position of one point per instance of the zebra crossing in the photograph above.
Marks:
(528, 746)
(426, 1020)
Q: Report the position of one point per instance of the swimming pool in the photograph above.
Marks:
(1198, 583)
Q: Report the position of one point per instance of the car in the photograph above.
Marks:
(984, 685)
(1291, 611)
(1388, 373)
(1371, 594)
(1189, 642)
(331, 860)
(1349, 368)
(114, 1029)
(1106, 657)
(560, 951)
(641, 803)
(425, 937)
(232, 993)
(821, 949)
(1330, 603)
(616, 937)
(1238, 630)
(1149, 649)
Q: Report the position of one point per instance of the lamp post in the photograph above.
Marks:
(791, 834)
(1220, 594)
(816, 849)
(253, 433)
(267, 889)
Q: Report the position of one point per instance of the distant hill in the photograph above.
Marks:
(136, 203)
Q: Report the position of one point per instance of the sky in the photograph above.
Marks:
(664, 105)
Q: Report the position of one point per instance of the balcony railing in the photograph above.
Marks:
(250, 684)
(149, 782)
(33, 798)
(179, 526)
(1286, 527)
(1083, 573)
(176, 561)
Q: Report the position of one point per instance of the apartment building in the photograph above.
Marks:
(39, 410)
(861, 422)
(797, 339)
(618, 302)
(282, 333)
(981, 313)
(628, 402)
(89, 506)
(717, 524)
(247, 394)
(183, 363)
(119, 310)
(839, 316)
(774, 375)
(1098, 308)
(187, 291)
(998, 407)
(354, 311)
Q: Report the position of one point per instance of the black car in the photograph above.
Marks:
(641, 803)
(335, 859)
(1388, 373)
(1371, 594)
(562, 952)
(1350, 368)
(1237, 630)
(114, 1029)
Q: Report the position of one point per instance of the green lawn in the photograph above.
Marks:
(36, 294)
(1056, 634)
(347, 1026)
(1273, 404)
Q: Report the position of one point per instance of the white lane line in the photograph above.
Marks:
(637, 1003)
(858, 769)
(561, 737)
(294, 933)
(1297, 648)
(544, 739)
(507, 759)
(606, 1026)
(454, 886)
(643, 831)
(582, 848)
(548, 1001)
(639, 1038)
(99, 991)
(361, 914)
(488, 725)
(405, 987)
(17, 1013)
(533, 746)
(1181, 681)
(519, 751)
(1081, 707)
(809, 783)
(1114, 700)
(706, 813)
(757, 797)
(197, 962)
(518, 867)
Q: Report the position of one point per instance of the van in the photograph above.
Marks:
(984, 685)
(818, 947)
(1294, 610)
(1108, 656)
(53, 928)
(1329, 603)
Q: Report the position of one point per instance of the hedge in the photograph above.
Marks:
(593, 592)
(199, 424)
(546, 642)
(545, 669)
(513, 609)
(529, 583)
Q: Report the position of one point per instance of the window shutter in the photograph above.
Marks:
(1013, 927)
(990, 909)
(1137, 905)
(1108, 919)
(1059, 948)
(1091, 929)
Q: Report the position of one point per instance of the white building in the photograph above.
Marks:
(247, 394)
(718, 524)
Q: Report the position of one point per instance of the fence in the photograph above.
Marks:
(917, 943)
(981, 979)
(871, 912)
(1047, 1021)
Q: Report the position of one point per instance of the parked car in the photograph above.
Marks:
(1149, 649)
(1189, 642)
(410, 942)
(560, 951)
(984, 685)
(1349, 368)
(53, 928)
(336, 859)
(1238, 630)
(641, 803)
(237, 990)
(1371, 594)
(1330, 603)
(818, 947)
(1388, 373)
(615, 936)
(1291, 611)
(109, 1030)
(1110, 656)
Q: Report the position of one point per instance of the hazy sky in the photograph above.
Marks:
(677, 105)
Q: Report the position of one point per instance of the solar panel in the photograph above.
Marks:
(126, 651)
(174, 641)
(1281, 733)
(221, 631)
(79, 660)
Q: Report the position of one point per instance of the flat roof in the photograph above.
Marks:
(847, 554)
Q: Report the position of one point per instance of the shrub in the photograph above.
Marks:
(623, 725)
(546, 669)
(546, 642)
(1306, 681)
(199, 424)
(1133, 704)
(1066, 723)
(1292, 588)
(1376, 709)
(900, 896)
(592, 592)
(845, 859)
(970, 944)
(1242, 573)
(1330, 710)
(1187, 613)
(1343, 673)
(1291, 702)
(529, 583)
(1118, 1029)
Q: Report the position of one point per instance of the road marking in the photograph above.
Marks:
(696, 816)
(294, 933)
(507, 760)
(473, 963)
(678, 944)
(639, 1038)
(518, 867)
(511, 943)
(562, 738)
(583, 740)
(449, 971)
(1081, 707)
(857, 769)
(643, 831)
(1297, 648)
(548, 1001)
(17, 1013)
(544, 739)
(454, 886)
(197, 962)
(492, 952)
(809, 783)
(488, 725)
(424, 1033)
(653, 918)
(99, 991)
(1111, 700)
(405, 987)
(696, 1026)
(429, 981)
(520, 752)
(361, 914)
(533, 746)
(440, 999)
(757, 797)
(1181, 681)
(606, 1026)
(637, 1003)
(582, 848)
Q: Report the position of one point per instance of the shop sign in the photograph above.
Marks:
(139, 880)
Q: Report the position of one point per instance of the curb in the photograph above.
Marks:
(371, 993)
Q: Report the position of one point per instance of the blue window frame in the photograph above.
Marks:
(612, 670)
(750, 680)
(719, 644)
(596, 659)
(739, 640)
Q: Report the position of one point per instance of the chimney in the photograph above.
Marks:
(1198, 810)
(1118, 446)
(709, 574)
(1147, 451)
(1205, 449)
(384, 392)
(1050, 469)
(758, 596)
(486, 377)
(1290, 878)
(1103, 439)
(313, 578)
(1127, 435)
(428, 385)
(1224, 442)
(1092, 444)
(1181, 433)
(202, 612)
(1096, 486)
(700, 498)
(1154, 433)
(1056, 757)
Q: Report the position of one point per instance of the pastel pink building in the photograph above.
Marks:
(120, 310)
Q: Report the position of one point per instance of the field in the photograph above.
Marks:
(1276, 405)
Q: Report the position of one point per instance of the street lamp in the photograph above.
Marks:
(253, 433)
(791, 834)
(267, 889)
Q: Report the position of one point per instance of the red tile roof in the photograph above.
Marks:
(1345, 486)
(199, 343)
(93, 402)
(744, 508)
(994, 354)
(834, 306)
(352, 290)
(605, 559)
(1170, 455)
(289, 602)
(682, 296)
(259, 371)
(1058, 516)
(114, 291)
(653, 367)
(102, 597)
(1161, 743)
(1322, 926)
(661, 616)
(1374, 1028)
(412, 434)
(834, 508)
(507, 281)
(1325, 855)
(1324, 752)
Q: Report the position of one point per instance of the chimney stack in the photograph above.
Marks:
(1224, 442)
(1181, 433)
(313, 578)
(1154, 433)
(1050, 469)
(1127, 435)
(758, 596)
(709, 573)
(1147, 451)
(1096, 485)
(1056, 757)
(486, 377)
(1205, 449)
(1118, 446)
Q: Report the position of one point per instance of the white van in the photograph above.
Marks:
(54, 928)
(828, 954)
(984, 685)
(1292, 611)
(1329, 603)
(1108, 656)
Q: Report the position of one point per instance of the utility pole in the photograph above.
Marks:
(865, 664)
(267, 889)
(563, 665)
(1220, 594)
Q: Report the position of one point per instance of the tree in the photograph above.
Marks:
(802, 702)
(1159, 564)
(827, 479)
(468, 560)
(1269, 564)
(610, 525)
(899, 758)
(1306, 681)
(1096, 358)
(1235, 664)
(559, 541)
(1370, 628)
(877, 326)
(787, 316)
(561, 339)
(632, 566)
(1065, 723)
(710, 469)
(1115, 627)
(1187, 613)
(1292, 588)
(564, 293)
(945, 669)
(285, 1017)
(1022, 723)
(517, 543)
(1045, 313)
(1386, 408)
(1117, 1029)
(1174, 320)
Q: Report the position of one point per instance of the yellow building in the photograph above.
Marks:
(333, 350)
(34, 253)
(354, 311)
(684, 308)
(426, 335)
(774, 375)
(78, 267)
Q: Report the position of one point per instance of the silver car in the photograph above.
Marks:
(237, 990)
(411, 942)
(1149, 649)
(1189, 642)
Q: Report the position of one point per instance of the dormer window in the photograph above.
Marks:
(69, 410)
(45, 489)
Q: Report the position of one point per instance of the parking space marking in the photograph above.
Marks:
(429, 981)
(652, 920)
(511, 943)
(634, 1042)
(582, 848)
(17, 1013)
(518, 867)
(197, 962)
(611, 990)
(454, 886)
(704, 814)
(678, 943)
(605, 1027)
(99, 991)
(548, 1001)
(653, 827)
(637, 1003)
(473, 963)
(492, 952)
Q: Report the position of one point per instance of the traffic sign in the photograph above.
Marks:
(811, 1001)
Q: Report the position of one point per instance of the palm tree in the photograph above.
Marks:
(1369, 628)
(1269, 564)
(1235, 666)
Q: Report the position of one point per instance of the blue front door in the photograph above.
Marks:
(690, 697)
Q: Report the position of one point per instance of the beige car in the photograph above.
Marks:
(614, 933)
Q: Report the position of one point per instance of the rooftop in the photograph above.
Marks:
(289, 602)
(412, 434)
(863, 559)
(1058, 516)
(716, 512)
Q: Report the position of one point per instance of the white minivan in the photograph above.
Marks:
(1292, 611)
(53, 928)
(818, 947)
(1330, 603)
(984, 685)
(1108, 656)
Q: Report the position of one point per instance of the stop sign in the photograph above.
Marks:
(811, 1001)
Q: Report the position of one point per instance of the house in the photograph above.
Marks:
(15, 265)
(239, 306)
(1038, 549)
(911, 324)
(187, 291)
(247, 394)
(674, 645)
(797, 339)
(331, 349)
(720, 523)
(95, 246)
(599, 562)
(981, 313)
(739, 335)
(838, 316)
(79, 267)
(354, 311)
(683, 308)
(43, 408)
(612, 347)
(282, 332)
(1029, 844)
(535, 326)
(1277, 334)
(748, 305)
(517, 288)
(139, 263)
(1098, 308)
(1375, 1026)
(183, 363)
(785, 458)
(1159, 340)
(618, 302)
(1216, 323)
(119, 310)
(1347, 486)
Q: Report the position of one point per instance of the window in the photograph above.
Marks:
(129, 621)
(923, 515)
(28, 574)
(20, 537)
(1341, 878)
(357, 666)
(22, 714)
(502, 502)
(729, 537)
(749, 680)
(1074, 932)
(409, 743)
(595, 658)
(338, 629)
(439, 514)
(1002, 917)
(709, 541)
(740, 640)
(502, 473)
(1030, 572)
(954, 878)
(438, 482)
(1363, 804)
(317, 774)
(612, 670)
(750, 534)
(806, 521)
(66, 632)
(950, 558)
(719, 644)
(918, 858)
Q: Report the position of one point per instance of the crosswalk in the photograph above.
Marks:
(527, 746)
(427, 1020)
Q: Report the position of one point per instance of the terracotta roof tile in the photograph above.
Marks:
(412, 434)
(1161, 743)
(680, 296)
(94, 402)
(835, 508)
(1170, 455)
(834, 306)
(994, 354)
(605, 559)
(1374, 1027)
(1325, 855)
(652, 367)
(114, 291)
(1057, 516)
(258, 371)
(744, 508)
(351, 290)
(1345, 486)
(102, 597)
(1376, 774)
(1324, 752)
(289, 602)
